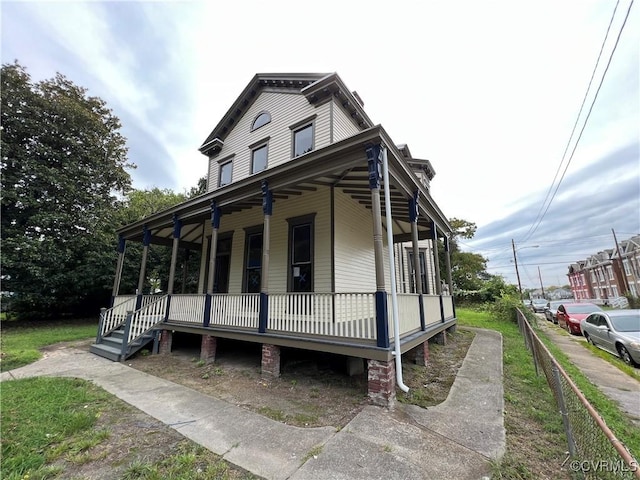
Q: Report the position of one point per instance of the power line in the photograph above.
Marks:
(539, 217)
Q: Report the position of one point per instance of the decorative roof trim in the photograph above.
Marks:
(290, 81)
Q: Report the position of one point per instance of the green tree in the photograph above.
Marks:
(137, 205)
(468, 270)
(63, 163)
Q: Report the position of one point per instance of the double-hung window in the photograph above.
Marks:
(259, 157)
(303, 133)
(225, 173)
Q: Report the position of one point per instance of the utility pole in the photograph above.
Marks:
(515, 261)
(540, 277)
(625, 280)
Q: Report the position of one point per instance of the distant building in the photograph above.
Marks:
(608, 274)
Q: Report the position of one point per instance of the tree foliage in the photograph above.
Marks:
(138, 205)
(64, 161)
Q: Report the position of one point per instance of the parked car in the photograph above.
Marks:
(551, 310)
(527, 302)
(571, 314)
(616, 331)
(538, 304)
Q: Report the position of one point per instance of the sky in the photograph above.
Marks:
(489, 91)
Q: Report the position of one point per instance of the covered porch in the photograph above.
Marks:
(337, 296)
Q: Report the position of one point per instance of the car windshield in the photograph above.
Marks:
(626, 323)
(586, 308)
(555, 304)
(538, 301)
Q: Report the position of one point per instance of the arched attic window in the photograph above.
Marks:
(262, 119)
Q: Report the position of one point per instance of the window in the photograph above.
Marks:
(423, 273)
(253, 260)
(226, 170)
(303, 140)
(301, 254)
(259, 159)
(262, 119)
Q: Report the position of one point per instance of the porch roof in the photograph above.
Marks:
(341, 165)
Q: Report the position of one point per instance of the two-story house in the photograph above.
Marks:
(311, 218)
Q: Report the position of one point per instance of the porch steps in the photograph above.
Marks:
(110, 346)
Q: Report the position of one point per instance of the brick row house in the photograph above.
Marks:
(608, 274)
(310, 235)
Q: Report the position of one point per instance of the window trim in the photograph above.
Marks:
(308, 219)
(257, 146)
(255, 119)
(248, 231)
(221, 163)
(299, 126)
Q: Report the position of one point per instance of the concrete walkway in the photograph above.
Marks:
(613, 382)
(456, 439)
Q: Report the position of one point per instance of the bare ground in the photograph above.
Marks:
(313, 389)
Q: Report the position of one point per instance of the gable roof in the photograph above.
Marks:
(314, 86)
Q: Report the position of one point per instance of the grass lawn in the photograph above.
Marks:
(20, 345)
(70, 428)
(536, 443)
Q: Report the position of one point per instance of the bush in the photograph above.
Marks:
(634, 302)
(505, 308)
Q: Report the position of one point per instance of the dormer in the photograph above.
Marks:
(278, 118)
(422, 168)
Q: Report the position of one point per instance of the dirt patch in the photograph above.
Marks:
(314, 388)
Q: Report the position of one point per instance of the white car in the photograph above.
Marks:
(616, 331)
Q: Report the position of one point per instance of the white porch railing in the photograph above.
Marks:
(349, 315)
(235, 310)
(346, 315)
(115, 316)
(447, 306)
(187, 308)
(408, 313)
(432, 314)
(147, 317)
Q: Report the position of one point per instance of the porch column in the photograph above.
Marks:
(177, 227)
(436, 261)
(413, 219)
(267, 208)
(215, 225)
(374, 161)
(146, 240)
(447, 249)
(119, 265)
(202, 286)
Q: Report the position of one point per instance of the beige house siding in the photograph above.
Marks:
(317, 203)
(354, 256)
(286, 110)
(343, 125)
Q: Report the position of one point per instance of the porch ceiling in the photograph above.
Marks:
(342, 165)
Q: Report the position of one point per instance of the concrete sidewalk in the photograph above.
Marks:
(613, 382)
(456, 439)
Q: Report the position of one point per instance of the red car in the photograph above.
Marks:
(570, 314)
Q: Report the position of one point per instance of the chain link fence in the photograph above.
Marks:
(594, 451)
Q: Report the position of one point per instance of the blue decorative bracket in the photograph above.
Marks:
(374, 161)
